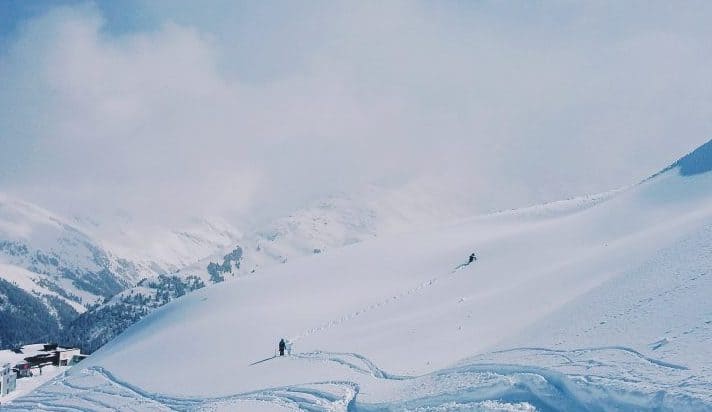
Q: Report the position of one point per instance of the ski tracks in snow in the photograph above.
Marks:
(353, 361)
(598, 349)
(97, 389)
(474, 385)
(390, 300)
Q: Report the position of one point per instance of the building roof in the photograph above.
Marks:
(15, 356)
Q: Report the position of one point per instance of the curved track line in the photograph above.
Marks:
(598, 349)
(369, 369)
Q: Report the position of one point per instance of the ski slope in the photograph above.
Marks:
(597, 303)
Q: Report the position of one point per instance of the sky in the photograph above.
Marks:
(169, 109)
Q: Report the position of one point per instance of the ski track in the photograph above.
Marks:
(596, 349)
(368, 366)
(514, 386)
(390, 300)
(664, 295)
(62, 396)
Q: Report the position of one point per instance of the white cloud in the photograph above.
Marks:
(260, 108)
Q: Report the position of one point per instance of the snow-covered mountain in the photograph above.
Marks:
(51, 271)
(161, 247)
(595, 304)
(71, 260)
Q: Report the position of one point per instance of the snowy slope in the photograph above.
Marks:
(330, 223)
(31, 281)
(327, 224)
(590, 304)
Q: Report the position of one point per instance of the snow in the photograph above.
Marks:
(26, 280)
(598, 303)
(22, 220)
(27, 385)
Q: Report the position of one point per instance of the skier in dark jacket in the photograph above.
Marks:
(282, 345)
(472, 258)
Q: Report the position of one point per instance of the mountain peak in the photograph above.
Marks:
(696, 162)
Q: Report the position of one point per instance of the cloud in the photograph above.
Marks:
(255, 109)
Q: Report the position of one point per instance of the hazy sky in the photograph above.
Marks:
(165, 108)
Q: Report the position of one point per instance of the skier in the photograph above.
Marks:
(282, 345)
(472, 258)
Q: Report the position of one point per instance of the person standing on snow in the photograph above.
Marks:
(282, 345)
(472, 258)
